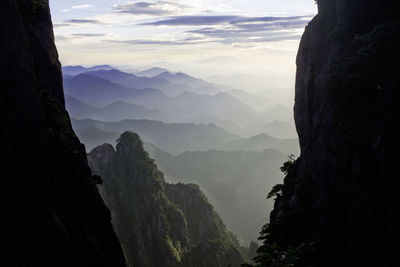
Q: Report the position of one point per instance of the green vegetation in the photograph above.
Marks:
(221, 174)
(276, 191)
(288, 165)
(56, 116)
(97, 179)
(160, 224)
(269, 253)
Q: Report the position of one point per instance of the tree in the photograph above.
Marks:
(288, 165)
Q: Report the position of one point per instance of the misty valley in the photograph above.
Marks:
(212, 133)
(200, 156)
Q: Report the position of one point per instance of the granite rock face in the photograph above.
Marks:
(341, 192)
(55, 214)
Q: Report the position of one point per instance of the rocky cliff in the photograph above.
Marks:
(340, 196)
(160, 224)
(55, 213)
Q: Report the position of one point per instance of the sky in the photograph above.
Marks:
(242, 43)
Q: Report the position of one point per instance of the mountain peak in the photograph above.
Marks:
(152, 72)
(130, 142)
(78, 69)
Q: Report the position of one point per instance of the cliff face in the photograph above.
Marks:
(159, 224)
(56, 215)
(341, 192)
(210, 242)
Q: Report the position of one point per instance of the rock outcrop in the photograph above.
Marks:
(160, 224)
(55, 213)
(341, 194)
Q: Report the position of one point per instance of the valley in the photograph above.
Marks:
(227, 141)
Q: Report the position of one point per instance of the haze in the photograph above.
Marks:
(249, 45)
(218, 109)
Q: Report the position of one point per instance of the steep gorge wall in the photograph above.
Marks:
(55, 214)
(341, 192)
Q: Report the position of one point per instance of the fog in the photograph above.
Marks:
(210, 94)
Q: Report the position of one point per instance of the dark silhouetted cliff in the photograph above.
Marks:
(55, 214)
(339, 198)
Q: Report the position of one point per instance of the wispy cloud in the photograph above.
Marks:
(59, 25)
(86, 6)
(152, 8)
(237, 29)
(79, 36)
(147, 42)
(193, 21)
(89, 34)
(215, 19)
(77, 22)
(83, 21)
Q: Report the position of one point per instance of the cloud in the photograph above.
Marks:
(78, 36)
(152, 8)
(213, 20)
(223, 29)
(59, 25)
(83, 21)
(251, 30)
(87, 6)
(239, 29)
(88, 35)
(152, 42)
(193, 21)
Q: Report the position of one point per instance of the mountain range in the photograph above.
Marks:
(172, 137)
(99, 92)
(113, 112)
(181, 97)
(176, 138)
(236, 182)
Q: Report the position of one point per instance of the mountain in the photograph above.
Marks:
(186, 106)
(276, 112)
(67, 77)
(75, 70)
(121, 110)
(235, 182)
(254, 101)
(116, 111)
(338, 203)
(160, 224)
(53, 212)
(276, 128)
(170, 84)
(151, 72)
(261, 142)
(193, 84)
(95, 91)
(133, 81)
(78, 109)
(174, 138)
(205, 119)
(281, 129)
(221, 106)
(183, 100)
(100, 92)
(105, 87)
